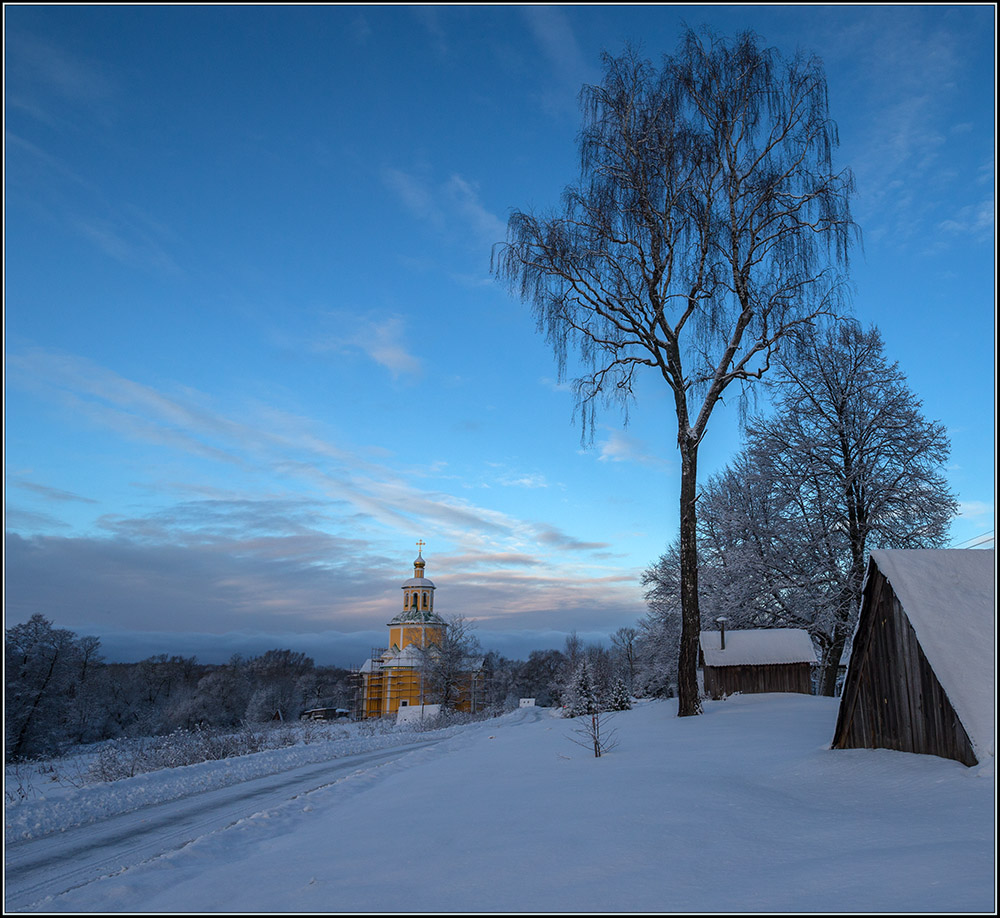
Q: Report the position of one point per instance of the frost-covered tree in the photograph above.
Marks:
(451, 667)
(620, 698)
(581, 696)
(284, 679)
(43, 670)
(624, 643)
(499, 683)
(846, 463)
(657, 647)
(707, 225)
(539, 677)
(849, 451)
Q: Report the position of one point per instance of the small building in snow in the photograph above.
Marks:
(759, 660)
(921, 673)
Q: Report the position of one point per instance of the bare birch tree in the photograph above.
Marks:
(707, 225)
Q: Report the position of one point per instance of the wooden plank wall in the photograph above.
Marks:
(778, 677)
(893, 699)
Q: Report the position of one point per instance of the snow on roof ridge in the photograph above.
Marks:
(758, 646)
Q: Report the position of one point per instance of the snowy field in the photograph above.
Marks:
(745, 809)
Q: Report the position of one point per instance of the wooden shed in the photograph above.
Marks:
(760, 660)
(921, 674)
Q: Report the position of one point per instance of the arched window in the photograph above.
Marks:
(425, 600)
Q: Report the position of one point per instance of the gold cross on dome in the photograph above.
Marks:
(420, 546)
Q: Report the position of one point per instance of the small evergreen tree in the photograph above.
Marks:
(620, 700)
(580, 697)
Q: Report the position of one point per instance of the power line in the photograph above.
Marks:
(976, 539)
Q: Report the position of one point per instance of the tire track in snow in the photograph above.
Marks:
(40, 868)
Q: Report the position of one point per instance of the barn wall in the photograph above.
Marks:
(783, 677)
(893, 699)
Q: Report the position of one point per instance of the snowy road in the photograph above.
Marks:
(43, 867)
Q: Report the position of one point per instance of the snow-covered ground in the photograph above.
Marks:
(745, 809)
(53, 796)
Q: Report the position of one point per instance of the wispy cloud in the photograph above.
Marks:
(909, 72)
(973, 220)
(430, 18)
(18, 519)
(126, 242)
(281, 447)
(52, 84)
(309, 555)
(50, 493)
(463, 198)
(64, 198)
(568, 68)
(971, 509)
(382, 339)
(452, 207)
(621, 447)
(510, 478)
(556, 538)
(360, 29)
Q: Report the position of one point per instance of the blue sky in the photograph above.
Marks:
(254, 350)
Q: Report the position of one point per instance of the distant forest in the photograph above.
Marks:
(61, 693)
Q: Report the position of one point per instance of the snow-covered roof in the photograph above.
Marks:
(761, 646)
(410, 656)
(949, 597)
(418, 582)
(417, 617)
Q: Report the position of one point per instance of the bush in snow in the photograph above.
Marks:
(126, 757)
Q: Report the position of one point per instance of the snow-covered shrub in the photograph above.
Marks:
(124, 758)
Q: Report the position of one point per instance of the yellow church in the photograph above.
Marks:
(397, 677)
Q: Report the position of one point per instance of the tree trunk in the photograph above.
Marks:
(687, 670)
(831, 664)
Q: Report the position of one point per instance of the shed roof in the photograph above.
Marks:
(949, 598)
(758, 647)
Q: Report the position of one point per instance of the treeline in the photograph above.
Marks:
(60, 692)
(552, 677)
